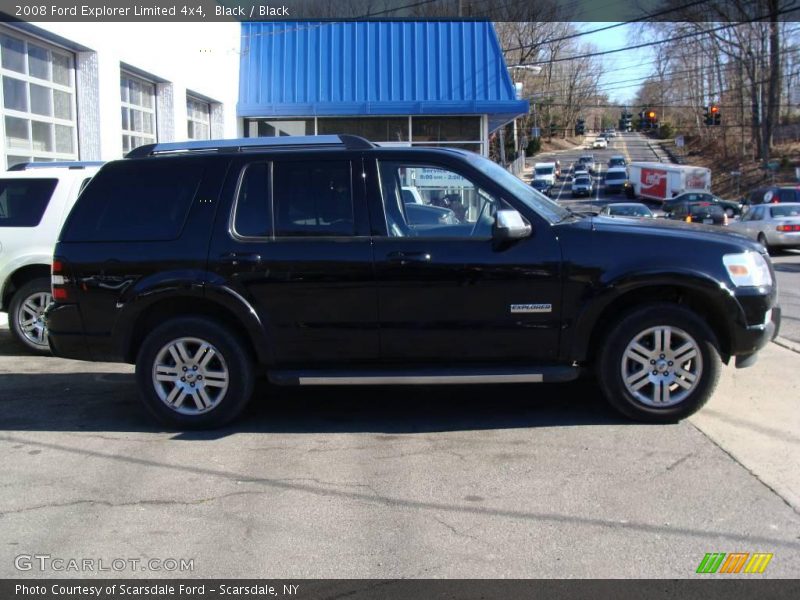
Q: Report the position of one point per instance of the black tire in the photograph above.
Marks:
(762, 239)
(34, 287)
(627, 329)
(237, 361)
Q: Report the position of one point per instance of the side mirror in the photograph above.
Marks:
(509, 225)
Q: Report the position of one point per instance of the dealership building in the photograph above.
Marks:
(433, 83)
(93, 91)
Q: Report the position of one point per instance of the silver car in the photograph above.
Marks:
(774, 225)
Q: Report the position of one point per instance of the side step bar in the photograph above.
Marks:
(544, 374)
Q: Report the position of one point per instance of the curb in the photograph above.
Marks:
(788, 344)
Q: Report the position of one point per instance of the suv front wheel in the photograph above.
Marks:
(659, 364)
(25, 315)
(194, 374)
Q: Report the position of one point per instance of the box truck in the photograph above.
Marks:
(660, 181)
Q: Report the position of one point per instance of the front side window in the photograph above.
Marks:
(37, 114)
(138, 111)
(431, 201)
(312, 198)
(23, 201)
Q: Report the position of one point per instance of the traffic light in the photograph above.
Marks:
(713, 116)
(580, 127)
(552, 129)
(652, 118)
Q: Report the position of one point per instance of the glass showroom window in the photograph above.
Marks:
(138, 111)
(452, 132)
(38, 101)
(198, 119)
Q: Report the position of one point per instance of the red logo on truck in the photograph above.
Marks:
(654, 183)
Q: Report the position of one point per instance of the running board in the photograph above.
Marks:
(545, 374)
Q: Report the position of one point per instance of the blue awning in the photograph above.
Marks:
(307, 69)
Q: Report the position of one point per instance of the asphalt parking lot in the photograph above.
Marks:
(481, 481)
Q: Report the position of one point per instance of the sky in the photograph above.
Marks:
(621, 66)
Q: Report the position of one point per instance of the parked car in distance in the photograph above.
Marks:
(614, 180)
(221, 261)
(626, 209)
(775, 226)
(611, 132)
(706, 213)
(542, 185)
(35, 198)
(582, 186)
(616, 161)
(600, 142)
(773, 195)
(731, 208)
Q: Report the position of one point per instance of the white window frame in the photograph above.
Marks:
(190, 119)
(30, 116)
(148, 138)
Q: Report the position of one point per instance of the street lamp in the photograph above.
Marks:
(535, 70)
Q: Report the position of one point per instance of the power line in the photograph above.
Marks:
(648, 44)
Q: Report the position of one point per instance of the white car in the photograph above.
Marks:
(600, 142)
(35, 199)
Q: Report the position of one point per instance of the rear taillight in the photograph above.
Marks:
(58, 281)
(688, 218)
(786, 228)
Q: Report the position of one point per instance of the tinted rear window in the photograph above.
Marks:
(136, 201)
(23, 201)
(615, 176)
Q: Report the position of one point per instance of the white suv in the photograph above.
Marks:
(35, 198)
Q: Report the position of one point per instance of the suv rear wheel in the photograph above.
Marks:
(659, 364)
(194, 373)
(25, 315)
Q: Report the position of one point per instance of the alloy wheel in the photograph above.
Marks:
(662, 366)
(190, 376)
(30, 318)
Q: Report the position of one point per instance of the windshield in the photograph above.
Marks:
(615, 176)
(533, 199)
(544, 170)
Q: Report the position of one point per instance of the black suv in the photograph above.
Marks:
(209, 263)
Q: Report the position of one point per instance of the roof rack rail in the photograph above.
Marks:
(348, 142)
(69, 164)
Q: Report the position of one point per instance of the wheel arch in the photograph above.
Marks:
(710, 306)
(241, 321)
(19, 277)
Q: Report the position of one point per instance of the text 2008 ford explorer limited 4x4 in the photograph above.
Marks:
(207, 262)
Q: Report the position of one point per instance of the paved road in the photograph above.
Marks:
(481, 481)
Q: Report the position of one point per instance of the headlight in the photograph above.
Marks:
(747, 269)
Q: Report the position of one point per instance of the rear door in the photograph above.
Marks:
(296, 246)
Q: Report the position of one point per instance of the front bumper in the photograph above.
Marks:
(758, 325)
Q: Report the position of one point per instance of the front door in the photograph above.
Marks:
(447, 291)
(297, 248)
